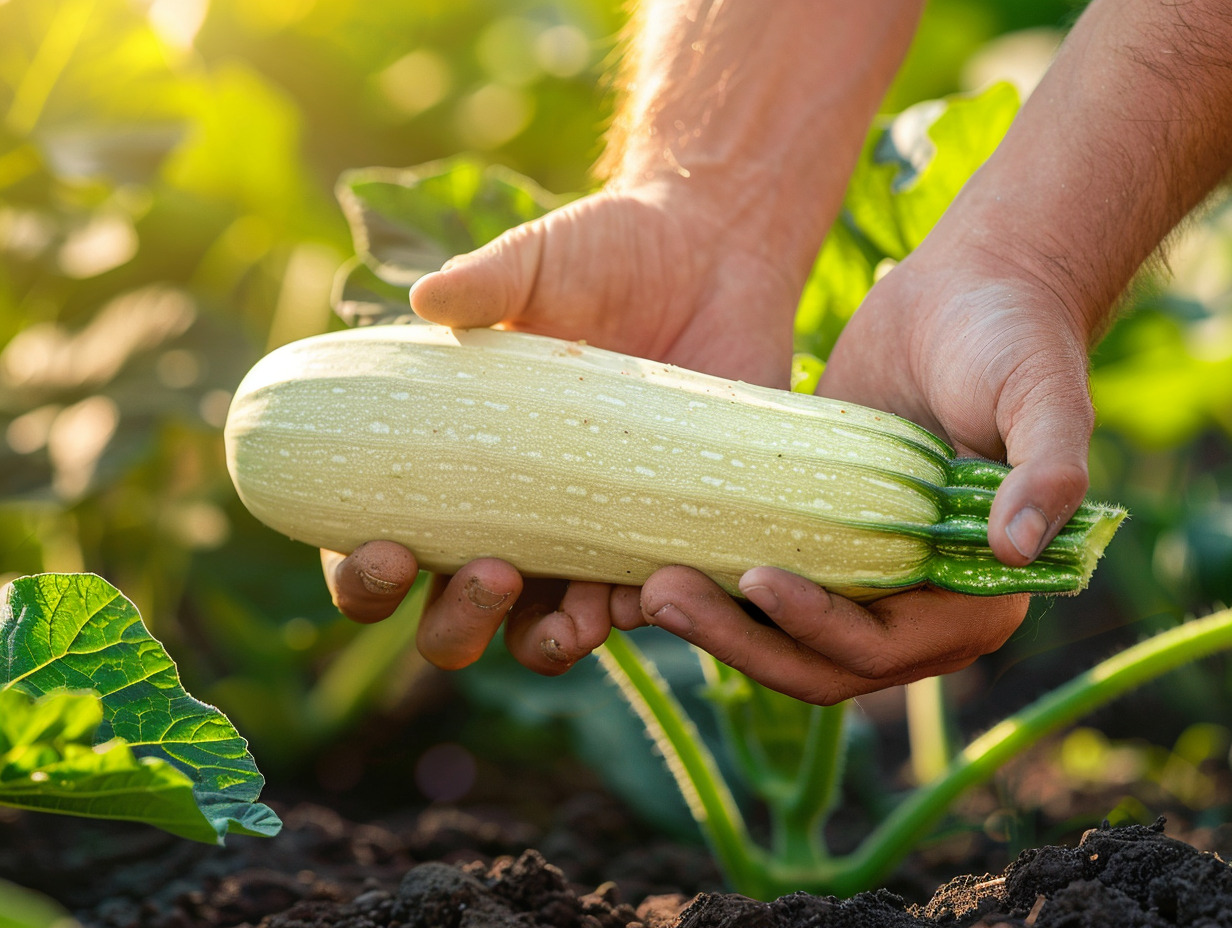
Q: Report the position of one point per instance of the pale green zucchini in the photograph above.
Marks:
(570, 461)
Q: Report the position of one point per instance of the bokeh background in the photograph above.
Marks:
(167, 215)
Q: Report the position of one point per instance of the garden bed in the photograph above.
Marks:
(532, 848)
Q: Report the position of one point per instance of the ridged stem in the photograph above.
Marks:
(692, 765)
(802, 865)
(895, 837)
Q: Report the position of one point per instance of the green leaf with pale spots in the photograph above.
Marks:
(408, 222)
(77, 632)
(913, 166)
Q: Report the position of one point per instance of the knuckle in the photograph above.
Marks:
(876, 665)
(826, 695)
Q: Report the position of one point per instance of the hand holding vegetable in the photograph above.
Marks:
(708, 307)
(981, 334)
(825, 648)
(694, 253)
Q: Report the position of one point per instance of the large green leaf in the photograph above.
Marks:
(842, 274)
(913, 166)
(408, 222)
(49, 761)
(78, 632)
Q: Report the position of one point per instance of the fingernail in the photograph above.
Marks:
(553, 651)
(763, 598)
(1026, 532)
(481, 596)
(672, 619)
(374, 584)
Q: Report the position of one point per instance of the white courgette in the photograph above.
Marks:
(570, 461)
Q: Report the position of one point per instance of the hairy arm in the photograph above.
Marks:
(982, 334)
(759, 109)
(1128, 132)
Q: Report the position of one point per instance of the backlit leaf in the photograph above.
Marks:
(408, 222)
(78, 632)
(49, 762)
(913, 166)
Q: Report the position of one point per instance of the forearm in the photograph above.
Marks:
(1129, 131)
(759, 109)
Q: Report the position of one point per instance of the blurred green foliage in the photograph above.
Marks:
(167, 214)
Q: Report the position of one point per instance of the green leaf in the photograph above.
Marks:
(911, 168)
(914, 166)
(360, 297)
(24, 908)
(78, 632)
(408, 222)
(49, 761)
(806, 370)
(842, 274)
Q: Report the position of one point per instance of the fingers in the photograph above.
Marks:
(554, 629)
(1047, 438)
(824, 649)
(491, 284)
(461, 620)
(370, 583)
(549, 625)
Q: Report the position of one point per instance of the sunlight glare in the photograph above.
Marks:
(178, 21)
(562, 51)
(78, 437)
(505, 49)
(416, 82)
(105, 242)
(493, 115)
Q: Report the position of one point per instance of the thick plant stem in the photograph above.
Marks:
(690, 762)
(789, 755)
(910, 821)
(799, 864)
(928, 729)
(821, 770)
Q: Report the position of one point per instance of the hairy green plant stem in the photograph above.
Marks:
(692, 765)
(794, 864)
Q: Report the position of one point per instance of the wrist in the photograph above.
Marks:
(1121, 139)
(1021, 245)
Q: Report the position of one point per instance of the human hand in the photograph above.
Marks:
(650, 272)
(989, 358)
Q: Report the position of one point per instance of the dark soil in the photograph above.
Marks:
(547, 847)
(449, 868)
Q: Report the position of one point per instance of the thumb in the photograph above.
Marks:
(489, 285)
(1046, 444)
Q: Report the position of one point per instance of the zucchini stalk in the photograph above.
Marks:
(571, 461)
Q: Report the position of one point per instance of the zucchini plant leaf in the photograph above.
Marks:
(24, 908)
(912, 167)
(49, 762)
(407, 222)
(77, 632)
(360, 297)
(842, 274)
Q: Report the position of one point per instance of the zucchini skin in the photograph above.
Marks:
(574, 462)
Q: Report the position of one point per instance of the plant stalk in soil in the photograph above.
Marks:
(799, 783)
